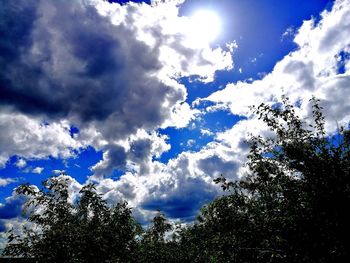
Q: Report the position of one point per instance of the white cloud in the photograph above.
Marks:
(21, 163)
(32, 139)
(134, 154)
(181, 116)
(206, 132)
(310, 70)
(6, 181)
(161, 27)
(131, 59)
(191, 142)
(290, 32)
(150, 97)
(58, 172)
(159, 2)
(313, 69)
(38, 170)
(180, 187)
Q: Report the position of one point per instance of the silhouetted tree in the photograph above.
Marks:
(292, 207)
(154, 245)
(83, 230)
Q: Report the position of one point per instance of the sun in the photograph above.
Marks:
(205, 26)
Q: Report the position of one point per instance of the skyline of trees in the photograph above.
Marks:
(291, 207)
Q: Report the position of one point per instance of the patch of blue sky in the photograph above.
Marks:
(116, 174)
(178, 139)
(263, 31)
(78, 166)
(73, 130)
(197, 89)
(343, 58)
(256, 55)
(198, 133)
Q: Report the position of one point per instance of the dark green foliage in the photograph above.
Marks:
(85, 231)
(154, 247)
(292, 207)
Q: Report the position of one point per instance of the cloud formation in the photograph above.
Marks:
(30, 138)
(319, 67)
(109, 69)
(113, 72)
(6, 181)
(12, 207)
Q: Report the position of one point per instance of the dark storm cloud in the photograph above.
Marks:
(214, 165)
(2, 226)
(64, 60)
(140, 149)
(181, 201)
(116, 157)
(12, 207)
(15, 28)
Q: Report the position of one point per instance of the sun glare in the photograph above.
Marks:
(205, 25)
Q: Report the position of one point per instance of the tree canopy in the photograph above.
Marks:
(84, 230)
(291, 207)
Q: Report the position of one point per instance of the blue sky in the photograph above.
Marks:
(123, 94)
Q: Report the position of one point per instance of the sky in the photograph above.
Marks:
(150, 99)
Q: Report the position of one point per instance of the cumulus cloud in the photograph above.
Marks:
(114, 66)
(31, 139)
(179, 187)
(181, 200)
(134, 154)
(38, 170)
(12, 207)
(21, 163)
(118, 107)
(107, 68)
(103, 79)
(58, 172)
(312, 70)
(206, 132)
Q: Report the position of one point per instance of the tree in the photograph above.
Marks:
(83, 230)
(154, 246)
(303, 180)
(292, 205)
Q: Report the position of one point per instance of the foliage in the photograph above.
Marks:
(292, 207)
(154, 246)
(85, 231)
